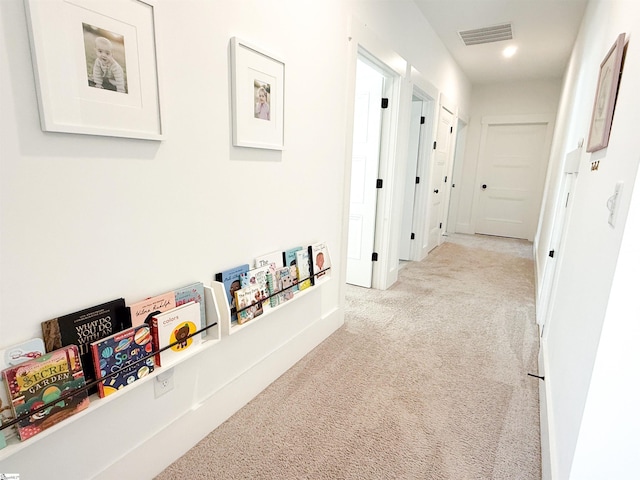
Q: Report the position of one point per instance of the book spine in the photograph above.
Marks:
(155, 339)
(96, 366)
(312, 275)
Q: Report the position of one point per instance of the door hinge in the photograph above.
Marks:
(417, 179)
(413, 236)
(552, 253)
(440, 225)
(374, 257)
(434, 145)
(445, 178)
(385, 103)
(379, 183)
(451, 130)
(422, 119)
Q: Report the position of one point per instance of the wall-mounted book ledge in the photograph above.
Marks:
(75, 403)
(88, 358)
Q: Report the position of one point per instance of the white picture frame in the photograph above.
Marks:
(117, 97)
(257, 93)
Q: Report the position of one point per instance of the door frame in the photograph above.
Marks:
(363, 41)
(491, 120)
(428, 97)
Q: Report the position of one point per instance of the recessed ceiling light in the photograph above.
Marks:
(509, 51)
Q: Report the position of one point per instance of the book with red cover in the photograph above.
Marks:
(42, 382)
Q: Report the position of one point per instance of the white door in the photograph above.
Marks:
(547, 276)
(437, 183)
(406, 231)
(364, 172)
(512, 165)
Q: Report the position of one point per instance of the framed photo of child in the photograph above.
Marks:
(96, 67)
(257, 92)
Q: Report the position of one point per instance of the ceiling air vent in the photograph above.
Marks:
(497, 33)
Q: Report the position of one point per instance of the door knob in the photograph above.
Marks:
(435, 191)
(484, 186)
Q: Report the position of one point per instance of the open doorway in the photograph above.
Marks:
(374, 87)
(417, 176)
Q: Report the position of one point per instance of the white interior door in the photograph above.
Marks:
(406, 230)
(437, 184)
(364, 172)
(513, 159)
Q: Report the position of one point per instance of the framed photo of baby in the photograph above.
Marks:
(257, 93)
(96, 67)
(106, 59)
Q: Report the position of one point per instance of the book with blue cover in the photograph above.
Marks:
(119, 358)
(231, 280)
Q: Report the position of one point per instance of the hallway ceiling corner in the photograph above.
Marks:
(544, 32)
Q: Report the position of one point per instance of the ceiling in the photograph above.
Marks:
(543, 30)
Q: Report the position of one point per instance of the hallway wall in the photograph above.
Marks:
(591, 332)
(84, 219)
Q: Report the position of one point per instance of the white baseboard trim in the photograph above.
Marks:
(201, 419)
(547, 436)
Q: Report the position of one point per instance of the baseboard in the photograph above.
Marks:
(145, 461)
(546, 412)
(464, 228)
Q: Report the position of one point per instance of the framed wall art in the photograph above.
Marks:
(95, 67)
(605, 101)
(257, 92)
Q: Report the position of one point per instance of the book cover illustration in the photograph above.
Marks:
(231, 280)
(289, 257)
(269, 258)
(193, 293)
(258, 276)
(289, 278)
(321, 262)
(10, 357)
(174, 327)
(118, 358)
(304, 269)
(40, 383)
(84, 327)
(142, 311)
(249, 301)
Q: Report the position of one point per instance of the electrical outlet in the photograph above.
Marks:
(164, 383)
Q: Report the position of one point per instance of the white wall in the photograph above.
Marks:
(590, 340)
(85, 219)
(517, 98)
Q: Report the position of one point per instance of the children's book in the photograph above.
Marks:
(84, 327)
(173, 327)
(258, 276)
(37, 390)
(269, 258)
(193, 293)
(303, 268)
(120, 358)
(249, 302)
(10, 357)
(320, 261)
(231, 280)
(289, 279)
(289, 257)
(142, 311)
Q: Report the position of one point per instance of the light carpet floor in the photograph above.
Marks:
(426, 380)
